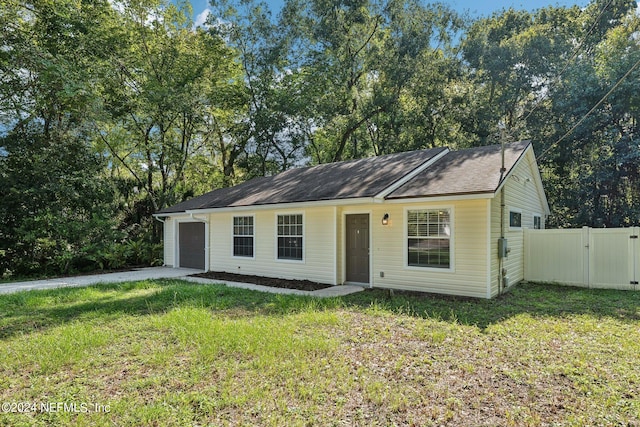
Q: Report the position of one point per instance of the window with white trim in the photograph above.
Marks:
(429, 238)
(243, 236)
(290, 235)
(515, 219)
(537, 222)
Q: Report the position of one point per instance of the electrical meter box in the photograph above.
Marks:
(503, 248)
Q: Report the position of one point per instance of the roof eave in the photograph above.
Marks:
(282, 206)
(471, 195)
(522, 155)
(537, 177)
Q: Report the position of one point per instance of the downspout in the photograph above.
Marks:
(502, 206)
(159, 219)
(501, 270)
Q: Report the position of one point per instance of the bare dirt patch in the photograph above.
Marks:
(303, 285)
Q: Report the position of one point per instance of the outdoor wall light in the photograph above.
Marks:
(385, 219)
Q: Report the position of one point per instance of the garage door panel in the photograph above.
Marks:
(191, 239)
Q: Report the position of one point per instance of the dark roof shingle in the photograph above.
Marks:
(470, 171)
(343, 180)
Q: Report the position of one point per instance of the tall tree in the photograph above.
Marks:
(328, 80)
(52, 204)
(595, 159)
(273, 136)
(158, 97)
(361, 58)
(547, 76)
(513, 58)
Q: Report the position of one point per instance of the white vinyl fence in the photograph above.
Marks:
(594, 258)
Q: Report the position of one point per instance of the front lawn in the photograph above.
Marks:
(176, 353)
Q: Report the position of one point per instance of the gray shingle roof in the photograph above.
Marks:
(471, 171)
(332, 181)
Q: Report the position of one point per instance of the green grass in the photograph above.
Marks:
(175, 353)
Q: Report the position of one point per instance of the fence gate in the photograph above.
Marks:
(613, 257)
(598, 258)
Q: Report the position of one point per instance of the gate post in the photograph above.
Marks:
(586, 243)
(635, 256)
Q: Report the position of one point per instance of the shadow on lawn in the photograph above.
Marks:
(26, 312)
(35, 311)
(526, 298)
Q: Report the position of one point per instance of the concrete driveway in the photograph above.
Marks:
(164, 273)
(123, 276)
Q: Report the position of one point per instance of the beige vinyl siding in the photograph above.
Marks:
(521, 194)
(169, 242)
(340, 260)
(324, 247)
(468, 276)
(495, 235)
(318, 242)
(473, 220)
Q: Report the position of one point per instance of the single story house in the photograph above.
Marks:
(434, 220)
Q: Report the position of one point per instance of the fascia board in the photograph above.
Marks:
(281, 206)
(446, 198)
(537, 177)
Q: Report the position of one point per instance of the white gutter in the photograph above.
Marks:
(431, 199)
(281, 206)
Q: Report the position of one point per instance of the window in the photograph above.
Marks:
(537, 222)
(515, 219)
(429, 238)
(290, 237)
(243, 236)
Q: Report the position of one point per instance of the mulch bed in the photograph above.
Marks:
(303, 285)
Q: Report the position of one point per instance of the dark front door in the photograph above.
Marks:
(191, 241)
(358, 248)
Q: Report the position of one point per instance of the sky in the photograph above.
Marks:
(476, 8)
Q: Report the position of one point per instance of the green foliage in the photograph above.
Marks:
(110, 111)
(56, 217)
(166, 97)
(101, 113)
(535, 82)
(594, 170)
(52, 206)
